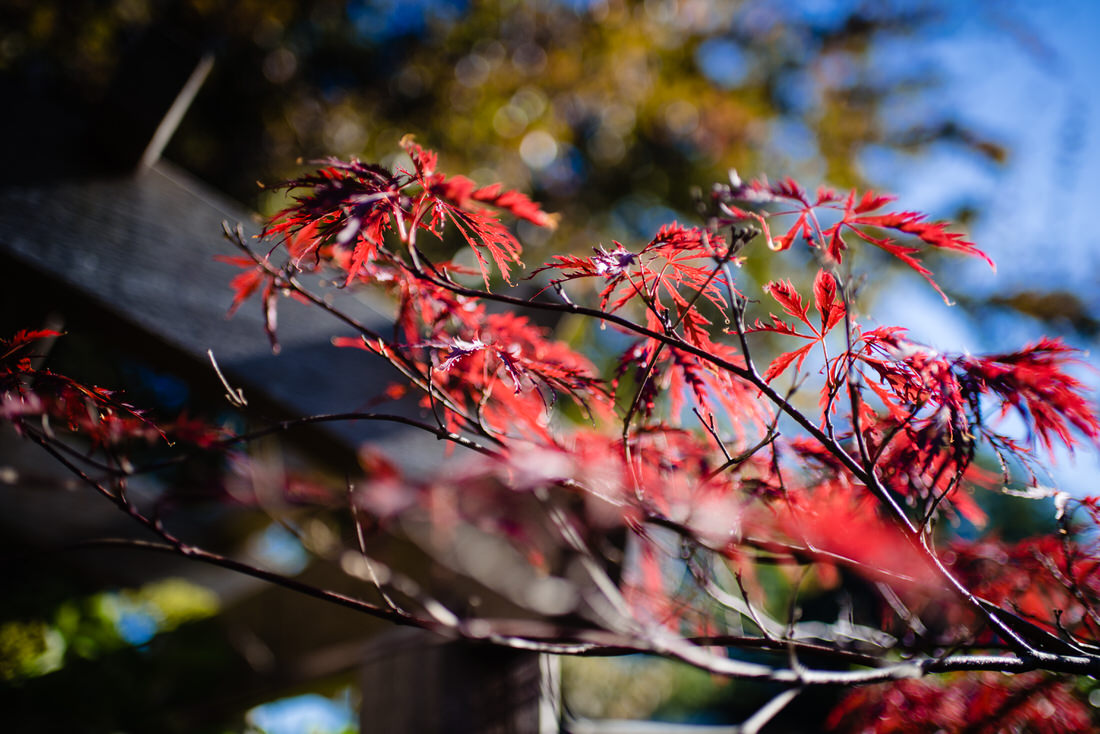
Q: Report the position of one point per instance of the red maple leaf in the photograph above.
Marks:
(673, 267)
(457, 200)
(829, 307)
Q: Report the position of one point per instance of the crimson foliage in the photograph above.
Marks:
(693, 441)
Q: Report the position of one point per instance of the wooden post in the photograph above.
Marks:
(414, 681)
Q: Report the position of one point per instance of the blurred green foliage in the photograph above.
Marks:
(610, 111)
(98, 625)
(138, 659)
(637, 687)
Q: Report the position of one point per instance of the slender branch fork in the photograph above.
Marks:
(402, 601)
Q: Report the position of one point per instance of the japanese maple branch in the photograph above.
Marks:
(198, 554)
(802, 553)
(438, 431)
(118, 499)
(280, 427)
(850, 378)
(748, 374)
(769, 438)
(540, 636)
(861, 473)
(403, 364)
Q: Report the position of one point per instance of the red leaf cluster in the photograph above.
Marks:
(676, 260)
(28, 391)
(823, 221)
(978, 702)
(1051, 581)
(1035, 382)
(829, 306)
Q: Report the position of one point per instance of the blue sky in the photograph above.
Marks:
(1027, 75)
(305, 714)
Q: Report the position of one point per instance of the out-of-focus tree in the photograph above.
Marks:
(606, 106)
